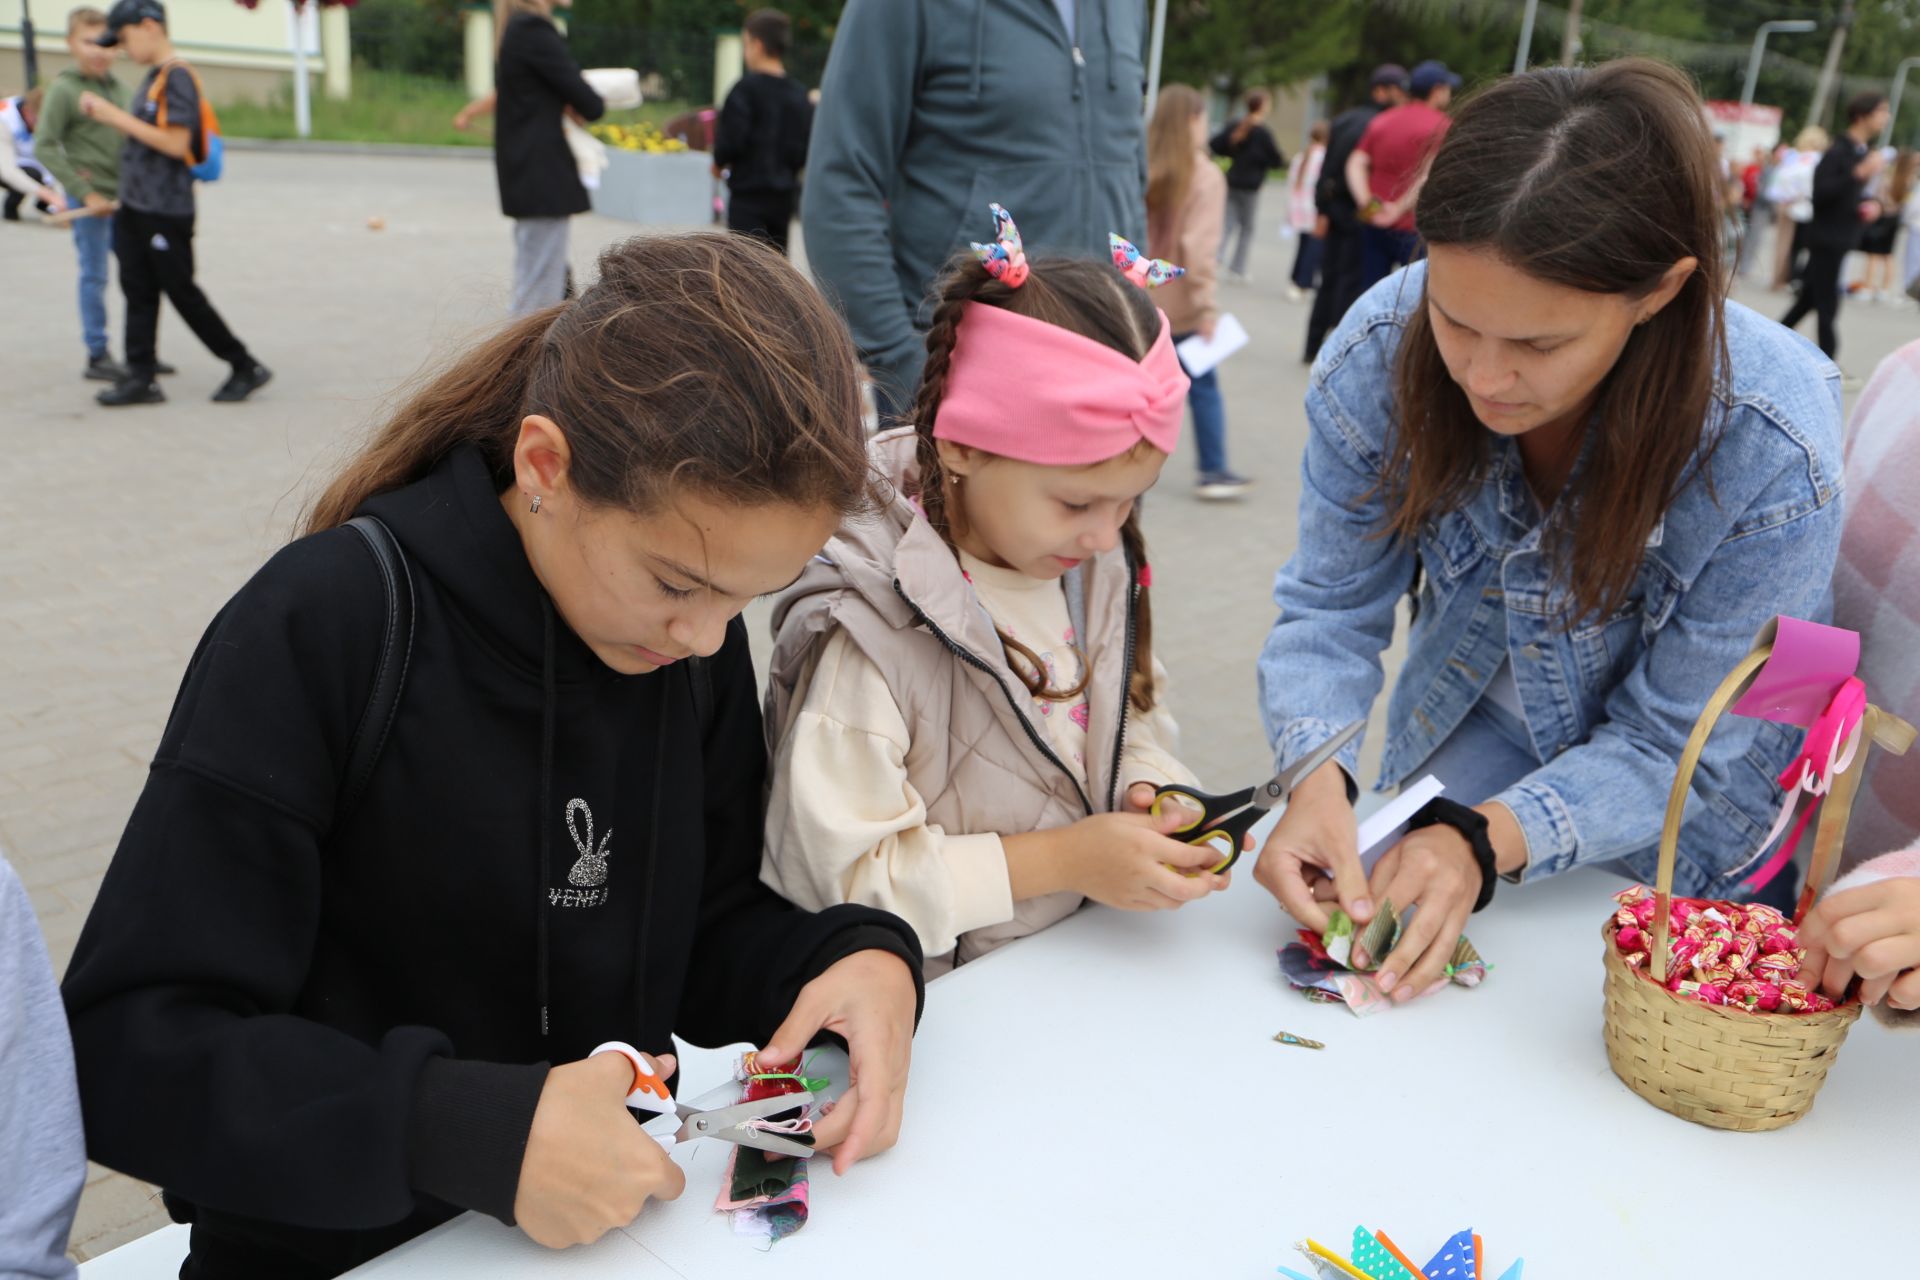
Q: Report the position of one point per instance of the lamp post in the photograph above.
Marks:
(1526, 37)
(29, 60)
(1791, 25)
(1156, 50)
(1893, 99)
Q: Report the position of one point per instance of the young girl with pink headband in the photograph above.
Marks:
(966, 718)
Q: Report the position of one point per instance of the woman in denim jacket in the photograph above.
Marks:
(1595, 478)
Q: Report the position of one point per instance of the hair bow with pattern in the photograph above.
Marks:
(1004, 259)
(1148, 273)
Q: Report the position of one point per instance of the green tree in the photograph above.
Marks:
(1237, 44)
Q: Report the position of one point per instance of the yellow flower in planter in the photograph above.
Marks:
(641, 137)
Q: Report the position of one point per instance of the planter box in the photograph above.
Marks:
(673, 188)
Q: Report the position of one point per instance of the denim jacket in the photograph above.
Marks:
(1610, 702)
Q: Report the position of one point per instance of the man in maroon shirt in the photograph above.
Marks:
(1386, 169)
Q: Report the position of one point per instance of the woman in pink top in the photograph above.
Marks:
(1301, 213)
(1868, 925)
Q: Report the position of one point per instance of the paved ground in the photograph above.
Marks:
(127, 529)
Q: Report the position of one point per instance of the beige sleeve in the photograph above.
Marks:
(1202, 226)
(1153, 743)
(844, 824)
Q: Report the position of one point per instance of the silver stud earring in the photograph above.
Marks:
(535, 508)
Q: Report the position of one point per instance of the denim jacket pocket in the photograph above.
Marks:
(1606, 650)
(1450, 546)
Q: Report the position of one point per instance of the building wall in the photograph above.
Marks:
(239, 52)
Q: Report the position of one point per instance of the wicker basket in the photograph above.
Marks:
(1729, 1068)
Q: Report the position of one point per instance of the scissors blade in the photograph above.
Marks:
(729, 1123)
(1287, 779)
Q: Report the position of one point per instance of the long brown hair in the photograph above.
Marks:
(1170, 150)
(701, 361)
(1081, 296)
(1601, 179)
(1906, 165)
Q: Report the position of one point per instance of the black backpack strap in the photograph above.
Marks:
(390, 676)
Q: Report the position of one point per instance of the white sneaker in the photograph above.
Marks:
(1222, 486)
(1295, 293)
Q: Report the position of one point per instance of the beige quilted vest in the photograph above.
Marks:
(979, 754)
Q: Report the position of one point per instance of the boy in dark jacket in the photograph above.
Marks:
(761, 140)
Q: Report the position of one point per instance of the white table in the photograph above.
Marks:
(1105, 1099)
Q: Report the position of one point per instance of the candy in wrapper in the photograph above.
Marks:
(1778, 938)
(1636, 960)
(1629, 938)
(1819, 1003)
(1777, 965)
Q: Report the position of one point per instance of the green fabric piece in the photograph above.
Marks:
(758, 1174)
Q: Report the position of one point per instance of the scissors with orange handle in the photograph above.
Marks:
(1224, 821)
(729, 1124)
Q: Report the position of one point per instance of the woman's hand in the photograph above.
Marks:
(867, 999)
(1316, 847)
(1434, 869)
(1872, 933)
(588, 1167)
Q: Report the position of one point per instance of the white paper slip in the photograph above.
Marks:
(1392, 816)
(1200, 354)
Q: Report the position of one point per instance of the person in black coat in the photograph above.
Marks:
(1839, 182)
(332, 993)
(537, 82)
(1249, 144)
(1339, 220)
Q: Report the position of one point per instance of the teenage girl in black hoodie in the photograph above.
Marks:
(324, 1027)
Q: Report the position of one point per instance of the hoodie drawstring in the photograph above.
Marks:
(979, 46)
(546, 797)
(1113, 63)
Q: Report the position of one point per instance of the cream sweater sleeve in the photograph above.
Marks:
(1153, 743)
(844, 824)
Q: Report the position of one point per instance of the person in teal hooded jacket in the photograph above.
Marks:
(931, 109)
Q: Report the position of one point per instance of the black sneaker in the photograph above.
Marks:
(243, 383)
(132, 391)
(162, 369)
(103, 369)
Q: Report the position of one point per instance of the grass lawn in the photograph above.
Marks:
(391, 107)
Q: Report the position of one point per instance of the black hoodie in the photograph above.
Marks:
(323, 1041)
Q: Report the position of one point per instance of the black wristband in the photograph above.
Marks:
(1442, 812)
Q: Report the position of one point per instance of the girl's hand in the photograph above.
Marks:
(867, 999)
(1432, 868)
(1872, 932)
(1130, 861)
(589, 1168)
(1316, 846)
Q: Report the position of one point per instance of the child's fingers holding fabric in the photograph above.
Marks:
(868, 1000)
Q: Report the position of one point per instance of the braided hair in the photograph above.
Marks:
(1084, 297)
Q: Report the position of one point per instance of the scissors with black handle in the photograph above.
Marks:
(1224, 821)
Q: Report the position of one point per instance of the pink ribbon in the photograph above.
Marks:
(1025, 389)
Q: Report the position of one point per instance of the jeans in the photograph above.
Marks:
(93, 244)
(539, 264)
(1820, 294)
(1209, 418)
(1243, 217)
(1306, 261)
(156, 257)
(767, 214)
(1491, 751)
(1384, 251)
